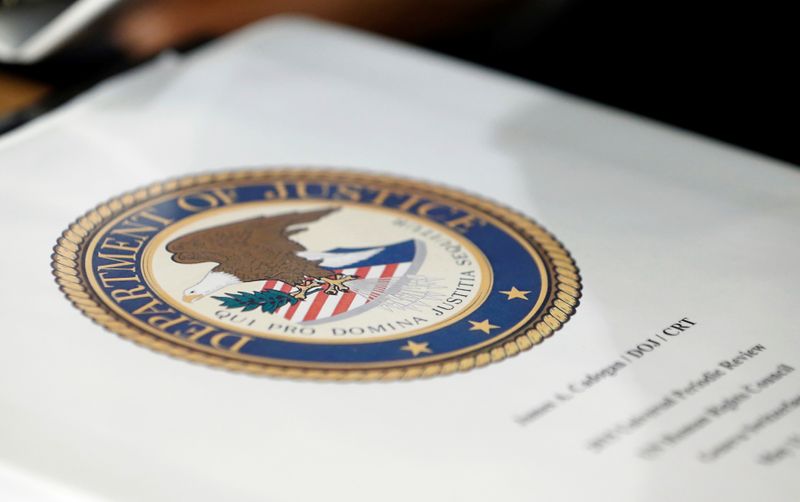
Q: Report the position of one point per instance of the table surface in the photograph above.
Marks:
(17, 93)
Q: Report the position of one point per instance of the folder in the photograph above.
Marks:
(665, 369)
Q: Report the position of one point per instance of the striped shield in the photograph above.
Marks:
(379, 270)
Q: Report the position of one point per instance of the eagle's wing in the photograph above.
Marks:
(275, 255)
(254, 249)
(207, 245)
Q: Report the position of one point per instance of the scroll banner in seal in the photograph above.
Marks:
(318, 274)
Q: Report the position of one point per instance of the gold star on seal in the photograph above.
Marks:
(416, 348)
(484, 326)
(515, 293)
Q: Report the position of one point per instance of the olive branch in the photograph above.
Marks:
(269, 300)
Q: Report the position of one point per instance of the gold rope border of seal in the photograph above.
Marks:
(557, 309)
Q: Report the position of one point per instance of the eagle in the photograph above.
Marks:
(258, 249)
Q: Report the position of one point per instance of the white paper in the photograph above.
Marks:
(663, 225)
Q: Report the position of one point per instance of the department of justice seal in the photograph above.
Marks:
(318, 274)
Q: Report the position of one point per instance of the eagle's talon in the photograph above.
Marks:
(303, 288)
(336, 284)
(329, 285)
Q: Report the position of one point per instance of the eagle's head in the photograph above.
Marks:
(213, 281)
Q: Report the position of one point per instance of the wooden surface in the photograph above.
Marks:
(17, 93)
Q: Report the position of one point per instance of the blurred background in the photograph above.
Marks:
(719, 69)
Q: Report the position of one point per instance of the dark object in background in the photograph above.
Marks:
(719, 69)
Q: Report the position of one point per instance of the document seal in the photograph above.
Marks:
(319, 274)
